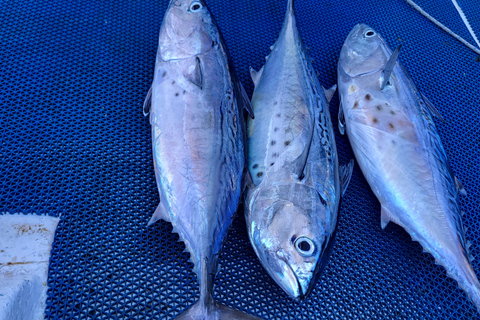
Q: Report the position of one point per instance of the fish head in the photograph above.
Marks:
(287, 228)
(363, 52)
(188, 29)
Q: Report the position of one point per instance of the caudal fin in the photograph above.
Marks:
(214, 311)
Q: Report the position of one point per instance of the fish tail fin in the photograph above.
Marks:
(469, 283)
(213, 310)
(290, 6)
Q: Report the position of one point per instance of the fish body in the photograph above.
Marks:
(292, 204)
(397, 146)
(196, 113)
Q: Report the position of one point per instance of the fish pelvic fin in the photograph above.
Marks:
(256, 75)
(160, 213)
(213, 310)
(346, 175)
(147, 104)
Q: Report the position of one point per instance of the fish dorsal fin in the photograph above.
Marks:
(346, 175)
(330, 92)
(195, 74)
(432, 108)
(160, 213)
(147, 104)
(256, 75)
(460, 187)
(387, 72)
(386, 217)
(247, 105)
(341, 120)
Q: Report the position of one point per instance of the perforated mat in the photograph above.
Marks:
(74, 142)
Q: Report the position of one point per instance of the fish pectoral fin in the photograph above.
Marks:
(147, 104)
(195, 75)
(330, 92)
(346, 175)
(341, 120)
(256, 75)
(246, 101)
(460, 187)
(432, 108)
(386, 217)
(392, 61)
(160, 213)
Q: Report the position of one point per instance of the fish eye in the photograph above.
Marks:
(196, 6)
(304, 246)
(369, 33)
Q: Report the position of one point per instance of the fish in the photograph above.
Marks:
(292, 201)
(197, 115)
(397, 146)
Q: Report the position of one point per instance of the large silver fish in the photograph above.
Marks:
(390, 127)
(196, 112)
(292, 204)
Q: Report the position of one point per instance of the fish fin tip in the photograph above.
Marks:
(255, 75)
(271, 47)
(159, 214)
(387, 71)
(147, 104)
(460, 187)
(434, 111)
(346, 175)
(386, 217)
(330, 92)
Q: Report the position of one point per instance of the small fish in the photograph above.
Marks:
(198, 131)
(397, 146)
(292, 203)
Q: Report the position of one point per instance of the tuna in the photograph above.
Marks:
(196, 112)
(293, 200)
(395, 141)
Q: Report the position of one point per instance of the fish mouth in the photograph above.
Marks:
(290, 282)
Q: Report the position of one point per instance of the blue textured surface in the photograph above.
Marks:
(73, 141)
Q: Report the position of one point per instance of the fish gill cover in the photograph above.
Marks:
(73, 141)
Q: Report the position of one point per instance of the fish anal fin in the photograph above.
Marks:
(195, 74)
(256, 75)
(460, 187)
(147, 104)
(346, 175)
(432, 108)
(386, 217)
(160, 213)
(330, 92)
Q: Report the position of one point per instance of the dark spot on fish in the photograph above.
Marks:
(275, 129)
(176, 94)
(391, 126)
(392, 112)
(279, 115)
(184, 91)
(271, 164)
(379, 108)
(275, 154)
(394, 142)
(275, 103)
(259, 174)
(255, 166)
(173, 82)
(164, 73)
(355, 104)
(287, 129)
(273, 142)
(287, 143)
(375, 120)
(368, 97)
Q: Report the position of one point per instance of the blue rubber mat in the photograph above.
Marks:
(74, 142)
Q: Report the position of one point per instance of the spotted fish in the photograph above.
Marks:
(390, 127)
(292, 203)
(196, 113)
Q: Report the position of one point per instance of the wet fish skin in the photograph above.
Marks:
(292, 204)
(397, 146)
(196, 113)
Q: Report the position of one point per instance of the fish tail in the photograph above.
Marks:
(290, 6)
(472, 287)
(213, 310)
